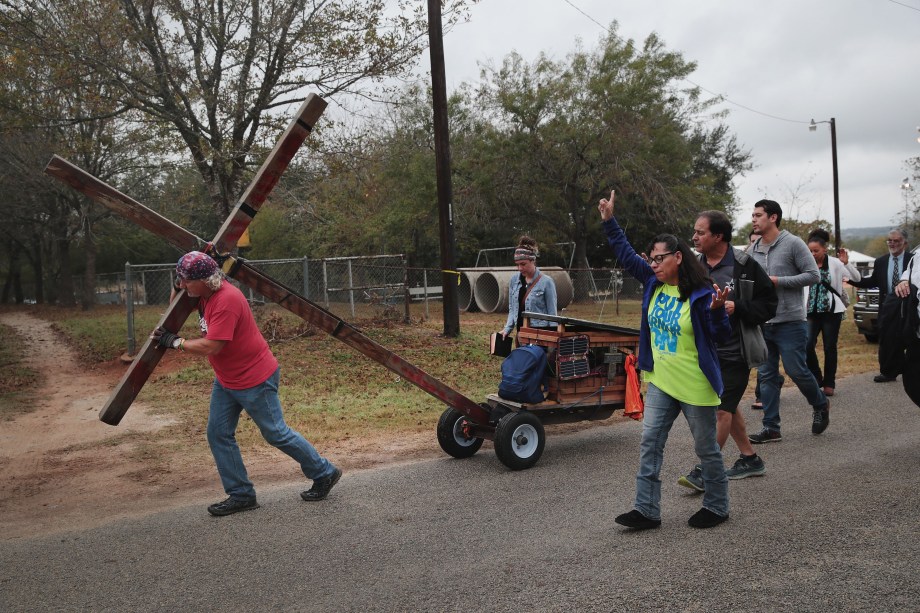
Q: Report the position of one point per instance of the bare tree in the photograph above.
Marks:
(212, 71)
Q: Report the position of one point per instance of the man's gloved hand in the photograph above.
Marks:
(165, 338)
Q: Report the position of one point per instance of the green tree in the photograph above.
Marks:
(53, 222)
(562, 134)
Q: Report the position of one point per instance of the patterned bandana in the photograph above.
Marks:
(195, 265)
(523, 253)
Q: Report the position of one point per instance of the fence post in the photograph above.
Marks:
(306, 278)
(325, 283)
(129, 306)
(407, 293)
(351, 291)
(425, 283)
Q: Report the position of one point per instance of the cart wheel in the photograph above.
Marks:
(519, 439)
(451, 436)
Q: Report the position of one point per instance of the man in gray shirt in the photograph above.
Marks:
(792, 268)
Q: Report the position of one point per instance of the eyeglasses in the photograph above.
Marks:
(894, 240)
(658, 259)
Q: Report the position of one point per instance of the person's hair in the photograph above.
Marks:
(213, 282)
(900, 231)
(690, 272)
(528, 243)
(526, 249)
(719, 223)
(771, 207)
(820, 236)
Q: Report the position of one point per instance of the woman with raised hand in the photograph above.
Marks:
(683, 317)
(826, 306)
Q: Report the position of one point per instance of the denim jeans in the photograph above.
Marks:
(660, 412)
(828, 326)
(787, 340)
(263, 406)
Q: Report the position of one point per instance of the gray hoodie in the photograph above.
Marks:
(788, 259)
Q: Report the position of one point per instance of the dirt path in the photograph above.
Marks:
(62, 469)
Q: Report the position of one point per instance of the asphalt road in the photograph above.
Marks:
(832, 526)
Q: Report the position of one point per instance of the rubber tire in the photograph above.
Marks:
(451, 439)
(871, 338)
(509, 447)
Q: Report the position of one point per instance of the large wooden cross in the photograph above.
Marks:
(183, 305)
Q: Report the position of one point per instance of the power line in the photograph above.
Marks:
(913, 8)
(709, 91)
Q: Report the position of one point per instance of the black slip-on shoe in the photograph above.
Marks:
(636, 520)
(704, 518)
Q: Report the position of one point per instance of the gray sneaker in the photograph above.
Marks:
(765, 436)
(746, 467)
(694, 480)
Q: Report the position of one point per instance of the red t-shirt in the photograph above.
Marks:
(245, 360)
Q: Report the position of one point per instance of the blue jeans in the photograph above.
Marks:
(263, 406)
(789, 341)
(660, 412)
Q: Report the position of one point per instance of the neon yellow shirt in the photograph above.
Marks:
(676, 360)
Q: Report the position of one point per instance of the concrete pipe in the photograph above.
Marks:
(491, 288)
(465, 291)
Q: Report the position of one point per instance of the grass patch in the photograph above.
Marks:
(102, 334)
(332, 393)
(18, 381)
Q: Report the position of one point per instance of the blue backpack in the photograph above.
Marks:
(522, 375)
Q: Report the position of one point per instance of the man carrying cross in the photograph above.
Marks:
(246, 378)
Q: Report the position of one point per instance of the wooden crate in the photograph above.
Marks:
(607, 389)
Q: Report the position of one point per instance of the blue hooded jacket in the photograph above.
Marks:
(709, 326)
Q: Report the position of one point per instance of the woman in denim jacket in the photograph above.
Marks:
(535, 290)
(682, 320)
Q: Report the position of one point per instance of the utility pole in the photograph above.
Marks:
(837, 243)
(449, 274)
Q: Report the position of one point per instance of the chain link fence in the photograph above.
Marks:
(370, 287)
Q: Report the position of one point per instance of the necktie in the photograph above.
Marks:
(895, 274)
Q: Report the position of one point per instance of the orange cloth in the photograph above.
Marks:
(635, 407)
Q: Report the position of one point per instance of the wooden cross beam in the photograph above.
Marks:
(182, 306)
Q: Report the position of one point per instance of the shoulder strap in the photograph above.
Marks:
(531, 286)
(831, 288)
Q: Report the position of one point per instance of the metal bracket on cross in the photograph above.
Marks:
(182, 306)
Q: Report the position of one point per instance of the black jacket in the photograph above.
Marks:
(762, 308)
(879, 276)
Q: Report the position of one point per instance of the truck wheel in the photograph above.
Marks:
(871, 338)
(451, 436)
(519, 440)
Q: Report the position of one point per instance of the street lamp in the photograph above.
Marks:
(812, 127)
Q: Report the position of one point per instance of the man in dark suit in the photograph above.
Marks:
(885, 275)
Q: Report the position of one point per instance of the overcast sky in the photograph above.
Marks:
(854, 60)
